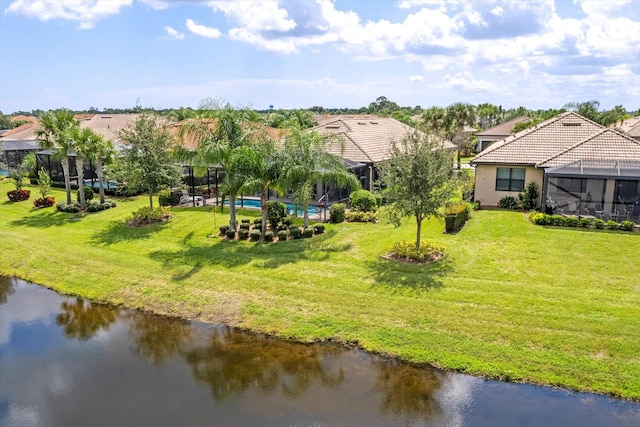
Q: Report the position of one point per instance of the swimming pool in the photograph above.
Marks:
(255, 204)
(109, 185)
(4, 172)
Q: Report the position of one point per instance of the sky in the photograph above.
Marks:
(539, 54)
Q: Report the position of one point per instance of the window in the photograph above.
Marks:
(510, 179)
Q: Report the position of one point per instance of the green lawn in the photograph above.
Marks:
(511, 300)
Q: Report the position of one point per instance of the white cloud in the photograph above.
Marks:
(466, 82)
(156, 4)
(202, 30)
(85, 12)
(173, 34)
(416, 79)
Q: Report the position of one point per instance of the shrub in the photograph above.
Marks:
(571, 221)
(68, 208)
(538, 218)
(287, 221)
(295, 232)
(337, 213)
(88, 194)
(318, 228)
(585, 222)
(529, 196)
(230, 233)
(308, 232)
(268, 236)
(276, 212)
(94, 207)
(245, 221)
(378, 197)
(111, 203)
(599, 223)
(359, 216)
(282, 227)
(627, 225)
(164, 198)
(407, 250)
(223, 229)
(282, 234)
(18, 195)
(362, 200)
(245, 226)
(612, 225)
(44, 202)
(255, 235)
(557, 219)
(145, 215)
(508, 202)
(243, 233)
(257, 221)
(456, 216)
(44, 183)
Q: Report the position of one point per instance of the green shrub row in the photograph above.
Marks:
(68, 207)
(283, 234)
(455, 216)
(540, 218)
(97, 206)
(359, 216)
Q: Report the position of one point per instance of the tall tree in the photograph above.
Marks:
(148, 155)
(307, 163)
(83, 145)
(588, 109)
(56, 133)
(417, 178)
(458, 116)
(217, 131)
(101, 152)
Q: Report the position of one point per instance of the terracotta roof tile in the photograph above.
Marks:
(503, 129)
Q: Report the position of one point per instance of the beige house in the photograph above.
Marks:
(630, 127)
(498, 132)
(366, 140)
(580, 166)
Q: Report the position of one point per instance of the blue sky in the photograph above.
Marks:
(297, 54)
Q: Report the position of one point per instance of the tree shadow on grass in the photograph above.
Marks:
(229, 254)
(47, 219)
(120, 231)
(399, 276)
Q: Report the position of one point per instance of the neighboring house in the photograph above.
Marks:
(15, 144)
(496, 133)
(630, 127)
(580, 166)
(366, 140)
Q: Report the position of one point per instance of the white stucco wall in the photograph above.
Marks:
(485, 186)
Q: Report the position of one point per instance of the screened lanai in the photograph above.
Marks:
(607, 189)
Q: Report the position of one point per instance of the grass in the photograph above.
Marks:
(511, 300)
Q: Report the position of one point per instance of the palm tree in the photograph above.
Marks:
(458, 116)
(100, 151)
(307, 162)
(218, 130)
(56, 133)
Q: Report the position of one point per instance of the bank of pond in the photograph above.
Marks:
(65, 361)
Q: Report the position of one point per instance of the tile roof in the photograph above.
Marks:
(107, 125)
(366, 138)
(503, 129)
(26, 131)
(537, 144)
(191, 141)
(630, 126)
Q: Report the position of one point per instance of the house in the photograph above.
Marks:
(496, 133)
(630, 127)
(580, 167)
(366, 141)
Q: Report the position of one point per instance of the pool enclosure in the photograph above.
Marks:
(601, 188)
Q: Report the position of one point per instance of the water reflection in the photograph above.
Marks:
(65, 361)
(82, 319)
(231, 363)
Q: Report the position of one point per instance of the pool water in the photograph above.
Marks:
(109, 185)
(255, 204)
(4, 172)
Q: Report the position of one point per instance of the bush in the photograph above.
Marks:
(276, 212)
(255, 235)
(282, 227)
(529, 196)
(358, 216)
(243, 234)
(230, 233)
(245, 226)
(557, 220)
(95, 207)
(337, 213)
(318, 228)
(110, 203)
(282, 234)
(599, 223)
(18, 195)
(44, 202)
(257, 221)
(508, 202)
(308, 232)
(571, 221)
(539, 218)
(164, 198)
(363, 201)
(245, 221)
(223, 229)
(287, 221)
(146, 215)
(378, 197)
(68, 208)
(407, 250)
(268, 236)
(456, 216)
(612, 225)
(627, 225)
(295, 232)
(88, 194)
(585, 222)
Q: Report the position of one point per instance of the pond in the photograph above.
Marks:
(67, 362)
